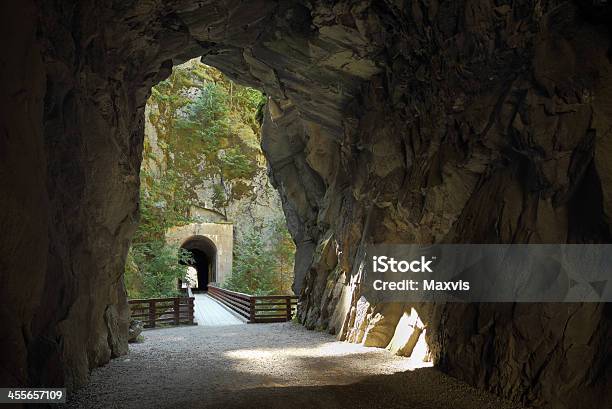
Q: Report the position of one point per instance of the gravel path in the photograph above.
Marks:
(268, 366)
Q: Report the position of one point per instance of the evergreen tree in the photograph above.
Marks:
(253, 271)
(261, 269)
(283, 251)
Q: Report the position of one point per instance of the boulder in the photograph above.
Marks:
(134, 330)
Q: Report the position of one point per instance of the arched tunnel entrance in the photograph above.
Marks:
(203, 259)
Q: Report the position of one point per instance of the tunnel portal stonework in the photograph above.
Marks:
(220, 234)
(388, 121)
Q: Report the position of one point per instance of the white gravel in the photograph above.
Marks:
(268, 366)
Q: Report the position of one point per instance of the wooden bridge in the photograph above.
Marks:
(216, 307)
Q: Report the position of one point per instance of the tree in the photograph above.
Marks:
(260, 268)
(283, 251)
(208, 131)
(253, 271)
(153, 270)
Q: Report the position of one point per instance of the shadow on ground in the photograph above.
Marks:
(424, 388)
(268, 366)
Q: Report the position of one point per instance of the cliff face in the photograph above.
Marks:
(251, 199)
(487, 125)
(466, 121)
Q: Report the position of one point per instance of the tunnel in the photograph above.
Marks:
(386, 122)
(203, 254)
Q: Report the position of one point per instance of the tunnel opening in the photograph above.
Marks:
(204, 176)
(203, 259)
(313, 62)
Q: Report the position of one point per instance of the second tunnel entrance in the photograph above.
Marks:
(203, 259)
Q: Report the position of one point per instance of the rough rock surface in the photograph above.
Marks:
(134, 330)
(388, 121)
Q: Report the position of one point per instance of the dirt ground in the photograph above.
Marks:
(269, 366)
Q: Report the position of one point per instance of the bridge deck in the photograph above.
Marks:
(209, 312)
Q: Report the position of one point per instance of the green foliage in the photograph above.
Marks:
(206, 134)
(153, 270)
(152, 267)
(163, 203)
(208, 130)
(253, 271)
(261, 269)
(200, 118)
(283, 251)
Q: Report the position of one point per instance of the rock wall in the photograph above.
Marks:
(489, 125)
(388, 121)
(261, 206)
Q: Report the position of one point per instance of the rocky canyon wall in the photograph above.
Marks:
(388, 121)
(490, 124)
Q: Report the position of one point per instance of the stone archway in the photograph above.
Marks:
(204, 260)
(213, 244)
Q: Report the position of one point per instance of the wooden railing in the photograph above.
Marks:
(154, 311)
(256, 308)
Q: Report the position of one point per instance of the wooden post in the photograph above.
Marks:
(152, 313)
(177, 311)
(288, 303)
(190, 309)
(252, 310)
